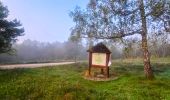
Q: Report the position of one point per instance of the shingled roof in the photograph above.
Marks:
(99, 48)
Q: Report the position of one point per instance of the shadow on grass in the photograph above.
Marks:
(160, 68)
(11, 74)
(125, 68)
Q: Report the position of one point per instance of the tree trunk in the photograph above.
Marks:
(146, 56)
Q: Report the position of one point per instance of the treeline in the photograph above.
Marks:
(34, 51)
(158, 44)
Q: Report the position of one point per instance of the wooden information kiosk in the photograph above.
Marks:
(99, 57)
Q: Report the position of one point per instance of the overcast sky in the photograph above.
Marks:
(44, 20)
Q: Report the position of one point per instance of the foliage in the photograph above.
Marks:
(9, 30)
(34, 51)
(110, 19)
(66, 82)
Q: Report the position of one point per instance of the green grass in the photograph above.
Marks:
(66, 83)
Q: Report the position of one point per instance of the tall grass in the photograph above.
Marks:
(65, 82)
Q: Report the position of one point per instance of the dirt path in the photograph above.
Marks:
(32, 65)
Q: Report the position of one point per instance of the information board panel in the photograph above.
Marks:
(99, 59)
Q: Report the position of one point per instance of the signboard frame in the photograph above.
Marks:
(99, 59)
(106, 67)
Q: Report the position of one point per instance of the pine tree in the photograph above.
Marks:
(9, 30)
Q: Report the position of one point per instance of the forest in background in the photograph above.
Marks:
(30, 51)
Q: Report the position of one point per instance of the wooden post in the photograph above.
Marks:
(102, 71)
(107, 72)
(90, 62)
(107, 62)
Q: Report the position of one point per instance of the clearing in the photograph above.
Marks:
(66, 82)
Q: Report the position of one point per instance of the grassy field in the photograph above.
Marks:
(66, 83)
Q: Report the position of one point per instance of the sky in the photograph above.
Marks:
(44, 20)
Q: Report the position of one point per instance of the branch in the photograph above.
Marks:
(120, 35)
(167, 29)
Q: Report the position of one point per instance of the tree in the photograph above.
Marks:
(128, 48)
(159, 44)
(116, 19)
(9, 30)
(166, 18)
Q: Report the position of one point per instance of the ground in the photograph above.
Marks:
(13, 66)
(66, 82)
